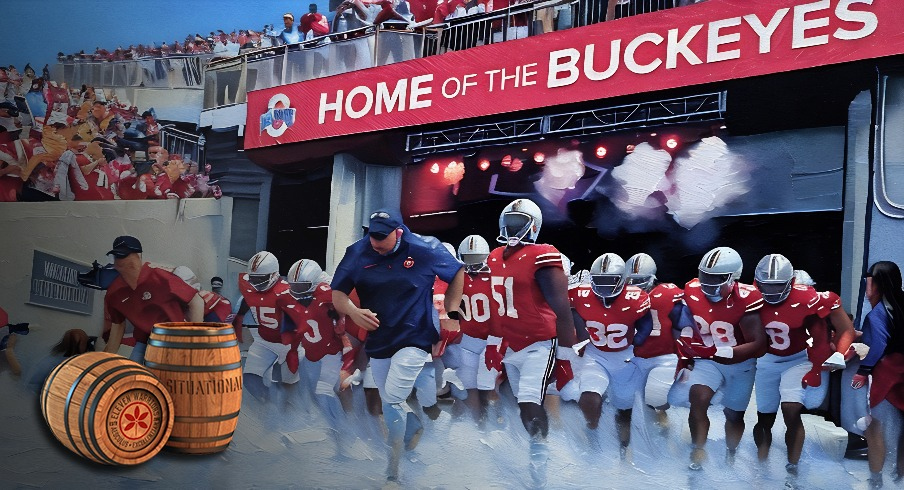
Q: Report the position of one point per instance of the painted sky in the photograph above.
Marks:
(35, 30)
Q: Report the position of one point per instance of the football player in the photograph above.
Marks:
(617, 318)
(658, 351)
(260, 288)
(311, 320)
(787, 374)
(477, 315)
(721, 331)
(535, 326)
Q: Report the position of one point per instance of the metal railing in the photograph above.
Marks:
(172, 72)
(189, 146)
(227, 81)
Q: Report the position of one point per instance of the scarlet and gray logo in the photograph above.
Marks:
(279, 116)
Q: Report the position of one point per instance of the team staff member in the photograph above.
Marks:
(145, 295)
(393, 270)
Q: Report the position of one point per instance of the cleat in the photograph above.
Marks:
(730, 455)
(413, 430)
(698, 455)
(791, 468)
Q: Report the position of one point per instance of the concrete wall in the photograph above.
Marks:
(190, 232)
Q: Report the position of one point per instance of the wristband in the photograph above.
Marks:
(566, 354)
(725, 351)
(494, 341)
(453, 315)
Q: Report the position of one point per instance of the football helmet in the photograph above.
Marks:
(520, 222)
(607, 275)
(803, 278)
(451, 249)
(719, 267)
(303, 277)
(263, 271)
(773, 276)
(641, 271)
(474, 251)
(186, 274)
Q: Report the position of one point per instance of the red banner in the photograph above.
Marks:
(707, 42)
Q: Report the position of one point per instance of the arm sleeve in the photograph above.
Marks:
(875, 335)
(343, 280)
(681, 319)
(644, 326)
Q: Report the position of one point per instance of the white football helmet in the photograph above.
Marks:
(473, 251)
(719, 267)
(303, 278)
(263, 271)
(641, 271)
(186, 274)
(451, 249)
(520, 222)
(607, 275)
(802, 277)
(773, 276)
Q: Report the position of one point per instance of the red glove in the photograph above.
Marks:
(494, 355)
(859, 381)
(563, 373)
(446, 337)
(292, 360)
(813, 378)
(691, 349)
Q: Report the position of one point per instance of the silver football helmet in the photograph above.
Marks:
(520, 222)
(774, 276)
(303, 278)
(641, 271)
(720, 266)
(607, 275)
(473, 251)
(263, 271)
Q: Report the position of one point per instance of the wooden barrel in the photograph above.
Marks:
(201, 367)
(107, 408)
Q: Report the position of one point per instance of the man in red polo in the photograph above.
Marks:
(145, 295)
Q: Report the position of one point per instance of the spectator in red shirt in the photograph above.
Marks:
(313, 23)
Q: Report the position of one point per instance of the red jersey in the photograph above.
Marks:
(216, 304)
(161, 296)
(661, 341)
(264, 308)
(476, 309)
(611, 328)
(524, 315)
(785, 322)
(719, 323)
(315, 327)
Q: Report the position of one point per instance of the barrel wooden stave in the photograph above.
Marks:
(200, 365)
(107, 408)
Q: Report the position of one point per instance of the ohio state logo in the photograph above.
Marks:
(134, 420)
(409, 263)
(279, 116)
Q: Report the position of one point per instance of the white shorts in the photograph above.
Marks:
(368, 378)
(733, 382)
(779, 380)
(656, 385)
(328, 381)
(409, 368)
(571, 392)
(611, 374)
(529, 369)
(472, 369)
(263, 355)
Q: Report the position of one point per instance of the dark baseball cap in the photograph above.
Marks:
(124, 246)
(382, 223)
(216, 282)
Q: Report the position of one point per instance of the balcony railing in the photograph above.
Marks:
(226, 82)
(171, 72)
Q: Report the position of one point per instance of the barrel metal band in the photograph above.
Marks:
(193, 369)
(212, 418)
(183, 332)
(192, 345)
(69, 399)
(48, 383)
(201, 439)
